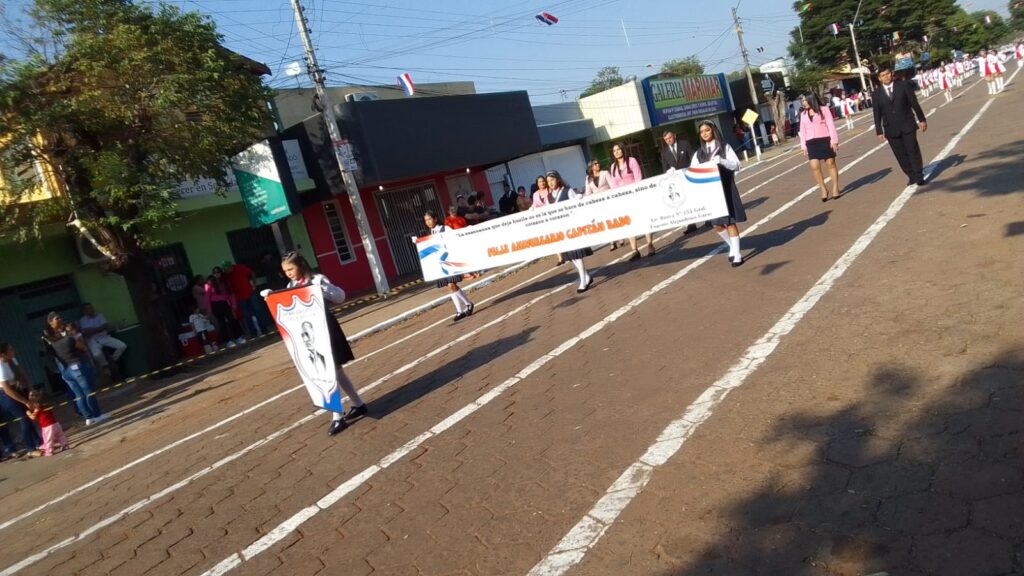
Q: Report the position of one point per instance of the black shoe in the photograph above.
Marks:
(911, 182)
(587, 287)
(921, 181)
(690, 228)
(634, 256)
(469, 309)
(459, 316)
(336, 427)
(736, 263)
(356, 412)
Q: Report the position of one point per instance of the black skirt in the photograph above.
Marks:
(339, 343)
(577, 254)
(820, 149)
(441, 283)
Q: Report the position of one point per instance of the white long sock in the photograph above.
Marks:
(582, 271)
(734, 247)
(348, 388)
(725, 238)
(459, 306)
(465, 299)
(1001, 82)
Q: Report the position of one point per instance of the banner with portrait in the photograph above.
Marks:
(300, 315)
(671, 200)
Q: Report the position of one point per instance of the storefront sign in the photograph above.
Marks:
(297, 166)
(302, 321)
(675, 199)
(260, 184)
(674, 99)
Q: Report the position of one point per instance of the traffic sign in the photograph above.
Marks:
(767, 86)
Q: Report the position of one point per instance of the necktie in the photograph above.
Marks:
(888, 91)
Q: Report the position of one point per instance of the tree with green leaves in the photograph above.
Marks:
(1016, 21)
(689, 66)
(607, 77)
(121, 103)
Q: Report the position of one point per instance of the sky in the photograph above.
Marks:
(499, 45)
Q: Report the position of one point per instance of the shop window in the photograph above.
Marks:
(338, 232)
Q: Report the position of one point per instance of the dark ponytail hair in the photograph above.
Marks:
(296, 259)
(614, 169)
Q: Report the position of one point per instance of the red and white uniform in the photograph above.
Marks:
(1019, 52)
(983, 66)
(995, 67)
(946, 80)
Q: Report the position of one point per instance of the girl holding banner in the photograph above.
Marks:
(299, 273)
(463, 307)
(561, 193)
(625, 170)
(714, 149)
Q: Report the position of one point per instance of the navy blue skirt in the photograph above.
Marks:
(449, 280)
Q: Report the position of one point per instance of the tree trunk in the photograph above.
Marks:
(158, 334)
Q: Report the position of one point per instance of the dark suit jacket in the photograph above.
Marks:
(896, 117)
(677, 161)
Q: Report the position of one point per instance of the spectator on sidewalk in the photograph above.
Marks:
(203, 328)
(75, 366)
(475, 212)
(523, 202)
(97, 330)
(242, 282)
(53, 433)
(13, 402)
(454, 221)
(507, 204)
(221, 302)
(199, 292)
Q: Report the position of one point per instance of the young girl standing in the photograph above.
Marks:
(714, 149)
(299, 273)
(53, 434)
(625, 170)
(561, 193)
(463, 306)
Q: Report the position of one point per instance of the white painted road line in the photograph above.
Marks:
(301, 517)
(571, 550)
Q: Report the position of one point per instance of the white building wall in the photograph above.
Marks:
(617, 112)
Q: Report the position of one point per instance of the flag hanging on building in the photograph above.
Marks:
(405, 81)
(895, 36)
(834, 28)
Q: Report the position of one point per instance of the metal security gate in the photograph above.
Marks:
(402, 211)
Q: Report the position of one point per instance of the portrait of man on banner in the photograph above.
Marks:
(300, 318)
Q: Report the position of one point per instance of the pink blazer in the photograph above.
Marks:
(818, 127)
(626, 176)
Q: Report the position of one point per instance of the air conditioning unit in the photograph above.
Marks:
(361, 97)
(87, 251)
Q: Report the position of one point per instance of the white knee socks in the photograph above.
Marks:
(459, 306)
(734, 248)
(582, 271)
(1000, 84)
(465, 299)
(725, 238)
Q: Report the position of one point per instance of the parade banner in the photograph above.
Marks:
(302, 321)
(675, 199)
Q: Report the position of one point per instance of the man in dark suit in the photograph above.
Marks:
(316, 360)
(676, 154)
(897, 119)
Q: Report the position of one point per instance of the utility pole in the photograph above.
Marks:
(856, 54)
(362, 223)
(750, 79)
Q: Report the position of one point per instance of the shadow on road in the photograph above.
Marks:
(895, 485)
(998, 175)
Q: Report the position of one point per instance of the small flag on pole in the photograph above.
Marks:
(760, 49)
(546, 18)
(895, 36)
(405, 81)
(834, 27)
(805, 7)
(988, 19)
(925, 38)
(882, 9)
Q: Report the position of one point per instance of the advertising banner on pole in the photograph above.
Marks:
(301, 319)
(259, 181)
(670, 200)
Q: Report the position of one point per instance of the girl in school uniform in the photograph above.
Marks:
(820, 142)
(625, 170)
(299, 273)
(463, 307)
(560, 192)
(714, 149)
(946, 82)
(997, 62)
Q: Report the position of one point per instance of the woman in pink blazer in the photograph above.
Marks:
(820, 142)
(625, 170)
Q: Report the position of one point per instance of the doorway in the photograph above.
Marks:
(402, 211)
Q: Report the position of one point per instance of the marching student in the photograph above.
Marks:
(820, 142)
(1018, 53)
(463, 307)
(299, 273)
(714, 149)
(625, 170)
(561, 193)
(946, 82)
(849, 109)
(985, 70)
(997, 61)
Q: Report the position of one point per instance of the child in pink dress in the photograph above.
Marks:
(53, 434)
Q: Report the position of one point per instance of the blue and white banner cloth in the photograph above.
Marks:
(663, 202)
